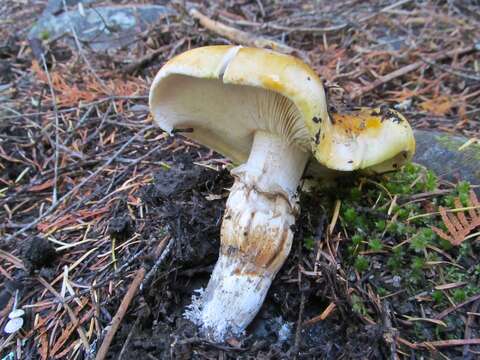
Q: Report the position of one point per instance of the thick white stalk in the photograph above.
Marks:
(256, 237)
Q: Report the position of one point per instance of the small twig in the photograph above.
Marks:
(261, 8)
(239, 36)
(390, 333)
(385, 9)
(18, 263)
(298, 331)
(438, 344)
(293, 352)
(289, 28)
(164, 250)
(73, 109)
(407, 69)
(336, 212)
(144, 60)
(452, 71)
(70, 312)
(307, 29)
(462, 209)
(55, 110)
(456, 307)
(325, 313)
(117, 319)
(198, 340)
(80, 50)
(129, 337)
(468, 328)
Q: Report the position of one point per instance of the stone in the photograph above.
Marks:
(440, 152)
(104, 28)
(55, 7)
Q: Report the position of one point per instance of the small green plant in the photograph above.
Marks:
(355, 194)
(309, 243)
(438, 297)
(459, 295)
(425, 237)
(349, 215)
(380, 225)
(395, 261)
(358, 306)
(361, 264)
(418, 263)
(476, 270)
(463, 191)
(357, 239)
(430, 183)
(375, 245)
(44, 35)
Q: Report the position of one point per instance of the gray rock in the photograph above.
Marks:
(56, 6)
(102, 28)
(439, 152)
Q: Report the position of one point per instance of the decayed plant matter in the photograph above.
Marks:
(458, 225)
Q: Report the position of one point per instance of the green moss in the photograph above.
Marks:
(380, 225)
(357, 239)
(395, 260)
(375, 245)
(410, 249)
(309, 243)
(361, 264)
(358, 305)
(452, 144)
(438, 297)
(424, 237)
(44, 35)
(349, 215)
(459, 295)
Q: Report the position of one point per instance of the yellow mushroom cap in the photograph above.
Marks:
(227, 93)
(376, 140)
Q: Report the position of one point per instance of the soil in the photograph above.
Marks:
(37, 253)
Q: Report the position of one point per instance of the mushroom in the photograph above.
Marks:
(267, 112)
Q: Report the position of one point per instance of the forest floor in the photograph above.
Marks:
(105, 214)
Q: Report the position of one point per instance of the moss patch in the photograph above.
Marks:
(387, 254)
(453, 144)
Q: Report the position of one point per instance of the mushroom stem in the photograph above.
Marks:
(256, 236)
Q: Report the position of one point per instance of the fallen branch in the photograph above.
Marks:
(148, 58)
(409, 68)
(239, 36)
(117, 319)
